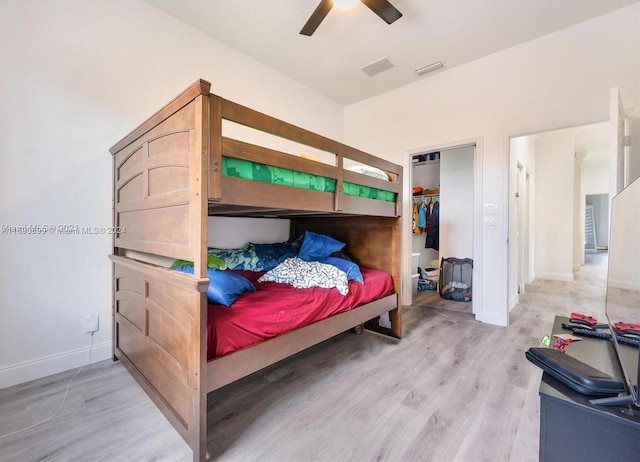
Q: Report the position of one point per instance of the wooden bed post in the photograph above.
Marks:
(161, 179)
(215, 135)
(339, 194)
(198, 214)
(199, 417)
(198, 186)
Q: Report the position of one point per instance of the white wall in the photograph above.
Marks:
(595, 175)
(547, 83)
(76, 77)
(232, 232)
(456, 202)
(554, 218)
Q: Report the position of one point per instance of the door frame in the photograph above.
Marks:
(530, 274)
(477, 218)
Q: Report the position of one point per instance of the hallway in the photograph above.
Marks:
(586, 294)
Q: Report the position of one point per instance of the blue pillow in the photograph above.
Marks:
(349, 267)
(318, 246)
(224, 286)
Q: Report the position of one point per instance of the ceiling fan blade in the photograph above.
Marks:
(316, 17)
(384, 9)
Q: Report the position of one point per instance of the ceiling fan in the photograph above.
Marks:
(387, 12)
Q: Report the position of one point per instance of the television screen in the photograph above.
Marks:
(623, 282)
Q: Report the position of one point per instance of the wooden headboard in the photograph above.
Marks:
(372, 242)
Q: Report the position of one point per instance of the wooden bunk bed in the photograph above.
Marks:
(168, 179)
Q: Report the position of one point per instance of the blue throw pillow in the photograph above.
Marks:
(318, 246)
(224, 286)
(349, 267)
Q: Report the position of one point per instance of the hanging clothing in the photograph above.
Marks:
(432, 240)
(422, 217)
(415, 218)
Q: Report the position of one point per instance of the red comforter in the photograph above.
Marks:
(274, 309)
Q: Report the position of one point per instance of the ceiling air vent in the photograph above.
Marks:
(430, 68)
(376, 67)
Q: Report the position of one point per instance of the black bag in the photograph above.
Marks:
(577, 375)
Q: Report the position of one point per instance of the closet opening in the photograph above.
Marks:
(442, 187)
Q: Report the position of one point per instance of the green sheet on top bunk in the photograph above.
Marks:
(358, 190)
(246, 170)
(239, 168)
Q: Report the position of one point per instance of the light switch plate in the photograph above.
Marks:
(490, 210)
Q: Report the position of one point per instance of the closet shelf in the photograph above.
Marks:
(426, 162)
(428, 192)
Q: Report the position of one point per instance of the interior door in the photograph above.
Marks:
(617, 141)
(520, 227)
(632, 149)
(625, 145)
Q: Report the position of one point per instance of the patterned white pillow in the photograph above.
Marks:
(304, 274)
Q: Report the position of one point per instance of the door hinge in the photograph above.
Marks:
(627, 140)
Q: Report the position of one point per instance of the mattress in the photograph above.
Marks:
(246, 170)
(274, 309)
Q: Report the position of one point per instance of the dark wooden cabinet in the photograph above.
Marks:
(571, 428)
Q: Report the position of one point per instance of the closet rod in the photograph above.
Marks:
(422, 197)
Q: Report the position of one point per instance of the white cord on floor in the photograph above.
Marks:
(64, 400)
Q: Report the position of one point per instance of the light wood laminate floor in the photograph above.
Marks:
(453, 389)
(432, 299)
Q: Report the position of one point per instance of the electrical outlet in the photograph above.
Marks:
(490, 222)
(91, 323)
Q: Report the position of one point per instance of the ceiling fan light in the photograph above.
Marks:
(344, 3)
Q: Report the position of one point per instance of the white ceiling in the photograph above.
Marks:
(452, 31)
(591, 141)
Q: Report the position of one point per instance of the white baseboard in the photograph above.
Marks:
(42, 367)
(513, 301)
(495, 319)
(622, 284)
(567, 277)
